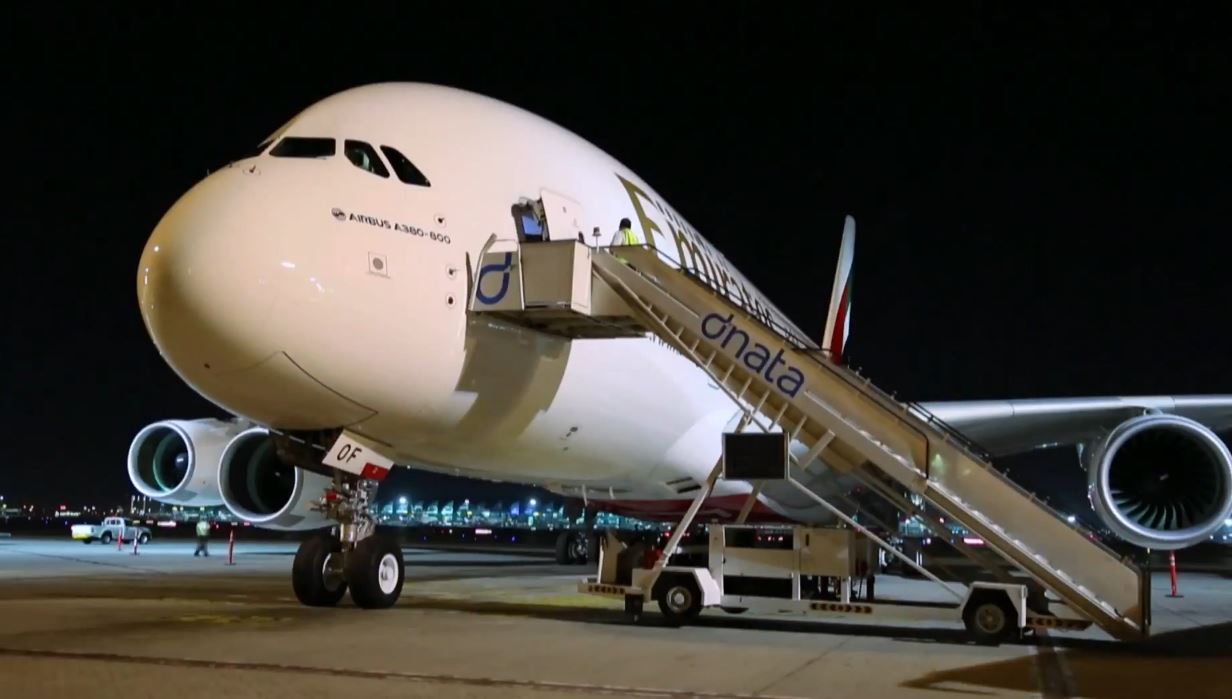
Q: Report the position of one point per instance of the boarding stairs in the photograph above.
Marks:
(574, 290)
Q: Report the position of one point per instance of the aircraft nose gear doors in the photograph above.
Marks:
(356, 558)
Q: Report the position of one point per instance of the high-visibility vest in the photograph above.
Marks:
(203, 529)
(628, 237)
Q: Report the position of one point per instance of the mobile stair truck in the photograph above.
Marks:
(1050, 573)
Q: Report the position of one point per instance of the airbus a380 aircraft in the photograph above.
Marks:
(317, 290)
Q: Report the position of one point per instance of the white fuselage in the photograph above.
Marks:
(309, 293)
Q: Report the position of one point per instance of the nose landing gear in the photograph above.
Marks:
(375, 571)
(317, 573)
(356, 558)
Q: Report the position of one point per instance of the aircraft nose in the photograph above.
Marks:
(205, 284)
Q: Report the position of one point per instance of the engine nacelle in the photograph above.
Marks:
(176, 461)
(258, 487)
(1161, 481)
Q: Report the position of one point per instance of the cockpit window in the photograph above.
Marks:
(364, 157)
(405, 169)
(300, 147)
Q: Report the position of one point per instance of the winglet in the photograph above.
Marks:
(838, 322)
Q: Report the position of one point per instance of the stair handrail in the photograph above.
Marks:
(953, 435)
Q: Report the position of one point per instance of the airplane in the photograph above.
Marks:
(317, 290)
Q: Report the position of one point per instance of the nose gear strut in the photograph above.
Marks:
(348, 503)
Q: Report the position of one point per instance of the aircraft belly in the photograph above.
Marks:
(607, 413)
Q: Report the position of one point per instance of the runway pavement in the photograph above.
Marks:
(92, 621)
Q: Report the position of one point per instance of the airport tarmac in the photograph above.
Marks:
(88, 620)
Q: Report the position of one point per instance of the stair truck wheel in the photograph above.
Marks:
(990, 618)
(316, 574)
(374, 571)
(679, 599)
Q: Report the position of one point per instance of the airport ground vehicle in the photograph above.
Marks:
(111, 529)
(818, 572)
(826, 572)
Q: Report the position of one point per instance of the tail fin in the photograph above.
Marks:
(838, 322)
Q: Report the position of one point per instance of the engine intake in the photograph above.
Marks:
(1162, 481)
(176, 461)
(258, 487)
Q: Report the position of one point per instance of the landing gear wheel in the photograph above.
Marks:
(316, 574)
(575, 548)
(106, 538)
(679, 599)
(568, 548)
(374, 571)
(989, 619)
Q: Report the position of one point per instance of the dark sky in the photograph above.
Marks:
(1042, 199)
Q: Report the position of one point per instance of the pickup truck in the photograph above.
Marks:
(111, 529)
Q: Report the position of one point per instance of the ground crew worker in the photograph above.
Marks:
(203, 538)
(625, 235)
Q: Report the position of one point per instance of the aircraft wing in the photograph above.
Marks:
(1014, 426)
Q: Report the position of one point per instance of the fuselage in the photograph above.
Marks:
(306, 290)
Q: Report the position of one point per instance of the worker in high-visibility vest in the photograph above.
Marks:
(203, 538)
(625, 235)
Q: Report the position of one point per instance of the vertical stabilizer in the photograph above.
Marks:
(838, 321)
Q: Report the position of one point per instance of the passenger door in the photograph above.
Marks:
(565, 217)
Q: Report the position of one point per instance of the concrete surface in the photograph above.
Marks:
(91, 621)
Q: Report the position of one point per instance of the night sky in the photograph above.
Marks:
(1042, 200)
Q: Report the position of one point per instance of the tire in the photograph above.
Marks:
(989, 618)
(679, 599)
(87, 542)
(143, 538)
(576, 548)
(375, 572)
(106, 538)
(313, 586)
(735, 610)
(563, 548)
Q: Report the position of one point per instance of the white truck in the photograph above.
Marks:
(111, 529)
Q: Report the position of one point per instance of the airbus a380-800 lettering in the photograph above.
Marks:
(317, 290)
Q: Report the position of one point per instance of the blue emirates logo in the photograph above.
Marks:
(715, 326)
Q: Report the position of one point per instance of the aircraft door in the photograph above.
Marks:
(564, 217)
(529, 220)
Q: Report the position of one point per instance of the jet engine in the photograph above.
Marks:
(258, 487)
(1161, 481)
(176, 461)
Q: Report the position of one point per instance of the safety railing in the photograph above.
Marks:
(907, 412)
